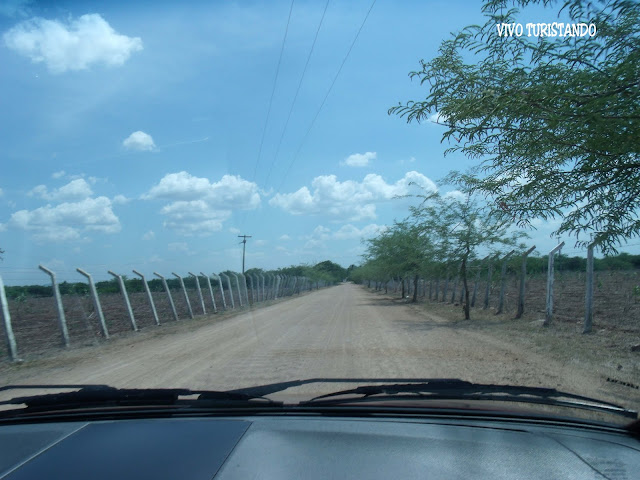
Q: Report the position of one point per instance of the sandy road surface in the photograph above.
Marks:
(343, 331)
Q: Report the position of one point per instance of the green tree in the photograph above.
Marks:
(458, 227)
(399, 252)
(554, 120)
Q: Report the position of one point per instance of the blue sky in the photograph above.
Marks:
(131, 133)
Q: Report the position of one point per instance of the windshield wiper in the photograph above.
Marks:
(104, 396)
(454, 389)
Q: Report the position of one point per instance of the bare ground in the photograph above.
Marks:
(343, 331)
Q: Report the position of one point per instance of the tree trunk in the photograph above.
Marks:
(465, 286)
(402, 280)
(415, 289)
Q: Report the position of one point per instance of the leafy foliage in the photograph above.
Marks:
(553, 120)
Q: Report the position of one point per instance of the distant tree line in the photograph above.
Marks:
(324, 271)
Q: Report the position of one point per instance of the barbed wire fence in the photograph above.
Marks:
(41, 323)
(585, 297)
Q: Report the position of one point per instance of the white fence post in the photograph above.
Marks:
(523, 278)
(224, 300)
(186, 295)
(96, 302)
(278, 280)
(253, 289)
(233, 303)
(263, 297)
(503, 281)
(56, 293)
(488, 289)
(446, 288)
(213, 300)
(475, 285)
(238, 287)
(256, 286)
(246, 291)
(123, 290)
(149, 296)
(166, 289)
(195, 277)
(12, 346)
(549, 312)
(588, 311)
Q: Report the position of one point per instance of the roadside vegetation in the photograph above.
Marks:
(553, 124)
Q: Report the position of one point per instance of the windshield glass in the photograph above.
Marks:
(217, 195)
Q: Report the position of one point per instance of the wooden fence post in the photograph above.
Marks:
(523, 277)
(12, 346)
(549, 311)
(588, 311)
(56, 293)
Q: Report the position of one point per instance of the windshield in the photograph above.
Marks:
(216, 195)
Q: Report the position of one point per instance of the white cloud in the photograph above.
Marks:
(75, 45)
(349, 200)
(77, 189)
(285, 237)
(150, 235)
(349, 231)
(199, 206)
(438, 118)
(67, 221)
(260, 243)
(139, 141)
(59, 174)
(359, 159)
(178, 247)
(120, 200)
(456, 195)
(317, 238)
(234, 230)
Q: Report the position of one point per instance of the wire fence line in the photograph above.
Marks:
(43, 322)
(608, 298)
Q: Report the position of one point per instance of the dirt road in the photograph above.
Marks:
(343, 331)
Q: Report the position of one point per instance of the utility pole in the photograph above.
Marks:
(244, 246)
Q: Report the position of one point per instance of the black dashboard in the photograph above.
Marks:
(289, 446)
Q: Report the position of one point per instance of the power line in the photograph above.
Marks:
(295, 157)
(273, 90)
(295, 97)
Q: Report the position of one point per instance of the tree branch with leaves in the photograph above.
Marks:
(554, 121)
